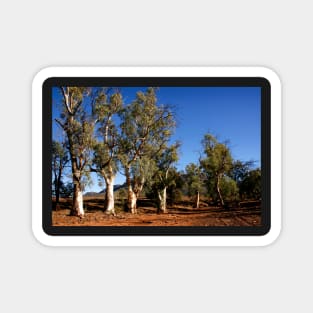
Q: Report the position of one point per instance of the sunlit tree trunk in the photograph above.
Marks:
(77, 208)
(78, 134)
(131, 195)
(162, 201)
(138, 188)
(132, 200)
(109, 196)
(198, 200)
(219, 191)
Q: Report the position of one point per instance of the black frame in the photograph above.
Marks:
(160, 82)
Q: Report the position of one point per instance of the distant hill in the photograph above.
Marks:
(91, 194)
(94, 194)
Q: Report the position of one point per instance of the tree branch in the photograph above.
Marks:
(94, 170)
(61, 124)
(66, 100)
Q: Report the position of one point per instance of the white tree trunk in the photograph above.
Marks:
(109, 201)
(162, 201)
(131, 195)
(132, 201)
(198, 200)
(219, 192)
(78, 209)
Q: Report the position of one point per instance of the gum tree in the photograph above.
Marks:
(141, 171)
(250, 186)
(60, 159)
(79, 131)
(216, 163)
(145, 129)
(105, 109)
(240, 170)
(194, 180)
(162, 178)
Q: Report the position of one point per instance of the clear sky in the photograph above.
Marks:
(230, 113)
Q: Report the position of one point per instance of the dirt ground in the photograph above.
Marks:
(182, 214)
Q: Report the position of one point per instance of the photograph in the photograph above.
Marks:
(156, 156)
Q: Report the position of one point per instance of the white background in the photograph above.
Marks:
(36, 34)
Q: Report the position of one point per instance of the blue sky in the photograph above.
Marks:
(230, 113)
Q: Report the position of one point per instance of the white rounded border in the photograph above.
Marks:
(276, 125)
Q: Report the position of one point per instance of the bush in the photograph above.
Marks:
(229, 189)
(67, 190)
(250, 187)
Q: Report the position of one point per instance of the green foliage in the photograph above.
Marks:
(60, 158)
(145, 127)
(175, 188)
(175, 183)
(120, 197)
(216, 165)
(229, 189)
(250, 187)
(59, 153)
(240, 170)
(121, 193)
(78, 127)
(194, 179)
(218, 159)
(165, 176)
(248, 180)
(66, 190)
(81, 140)
(142, 170)
(105, 154)
(164, 161)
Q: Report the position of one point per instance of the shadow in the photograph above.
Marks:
(142, 202)
(149, 210)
